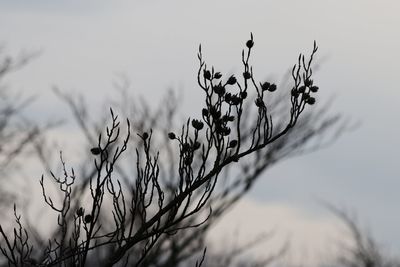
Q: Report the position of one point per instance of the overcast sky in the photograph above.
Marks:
(86, 45)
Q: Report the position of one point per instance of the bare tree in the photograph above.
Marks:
(361, 248)
(157, 213)
(16, 130)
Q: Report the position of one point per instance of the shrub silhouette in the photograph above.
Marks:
(17, 132)
(182, 182)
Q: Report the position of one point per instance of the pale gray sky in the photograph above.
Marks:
(86, 44)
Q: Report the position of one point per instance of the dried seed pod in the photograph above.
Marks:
(302, 89)
(231, 80)
(226, 131)
(265, 86)
(235, 100)
(198, 125)
(246, 75)
(259, 102)
(95, 150)
(171, 136)
(272, 87)
(310, 100)
(228, 97)
(88, 218)
(216, 114)
(219, 89)
(204, 112)
(207, 74)
(233, 143)
(217, 75)
(80, 212)
(249, 44)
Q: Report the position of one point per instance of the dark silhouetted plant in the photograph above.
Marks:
(17, 132)
(155, 207)
(361, 249)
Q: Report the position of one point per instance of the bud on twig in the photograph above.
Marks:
(314, 89)
(233, 143)
(80, 212)
(250, 42)
(310, 100)
(171, 136)
(217, 75)
(207, 74)
(265, 86)
(272, 87)
(231, 80)
(198, 125)
(88, 218)
(95, 150)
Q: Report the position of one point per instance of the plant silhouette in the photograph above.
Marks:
(182, 181)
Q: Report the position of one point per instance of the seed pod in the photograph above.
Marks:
(216, 114)
(233, 143)
(80, 212)
(88, 218)
(302, 89)
(204, 112)
(219, 90)
(231, 80)
(228, 97)
(249, 44)
(308, 82)
(246, 75)
(235, 100)
(259, 102)
(310, 100)
(198, 125)
(95, 150)
(207, 74)
(314, 89)
(243, 95)
(171, 136)
(265, 86)
(145, 135)
(272, 87)
(217, 75)
(226, 131)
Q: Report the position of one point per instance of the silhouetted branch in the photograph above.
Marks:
(363, 250)
(173, 190)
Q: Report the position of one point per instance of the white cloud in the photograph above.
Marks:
(313, 239)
